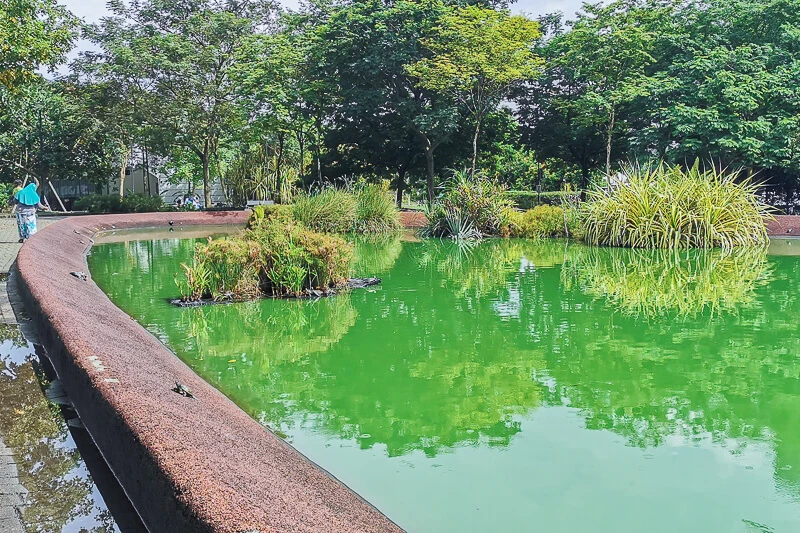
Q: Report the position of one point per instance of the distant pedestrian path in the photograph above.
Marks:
(9, 239)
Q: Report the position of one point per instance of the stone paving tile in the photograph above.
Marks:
(9, 239)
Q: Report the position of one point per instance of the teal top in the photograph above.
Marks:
(28, 195)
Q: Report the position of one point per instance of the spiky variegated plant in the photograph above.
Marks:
(669, 207)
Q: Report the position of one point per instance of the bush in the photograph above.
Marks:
(667, 207)
(134, 203)
(275, 258)
(540, 222)
(525, 200)
(471, 206)
(261, 213)
(5, 195)
(376, 211)
(329, 210)
(369, 209)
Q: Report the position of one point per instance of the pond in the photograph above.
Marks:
(517, 385)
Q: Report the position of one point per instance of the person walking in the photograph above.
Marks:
(27, 201)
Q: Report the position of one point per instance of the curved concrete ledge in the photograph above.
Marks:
(188, 465)
(784, 226)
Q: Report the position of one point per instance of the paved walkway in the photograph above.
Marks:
(9, 239)
(12, 493)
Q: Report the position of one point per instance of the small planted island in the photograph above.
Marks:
(289, 250)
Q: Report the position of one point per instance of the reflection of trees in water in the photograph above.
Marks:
(730, 377)
(652, 283)
(47, 464)
(375, 254)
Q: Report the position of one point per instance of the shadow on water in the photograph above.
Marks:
(69, 487)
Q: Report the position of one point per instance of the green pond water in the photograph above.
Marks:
(515, 385)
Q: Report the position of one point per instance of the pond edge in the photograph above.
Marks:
(187, 464)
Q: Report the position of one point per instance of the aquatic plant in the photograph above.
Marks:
(365, 209)
(669, 207)
(276, 258)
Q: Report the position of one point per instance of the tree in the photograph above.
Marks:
(181, 55)
(367, 48)
(477, 55)
(607, 49)
(33, 33)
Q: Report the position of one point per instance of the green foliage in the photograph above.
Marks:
(5, 195)
(376, 211)
(33, 33)
(470, 206)
(276, 258)
(669, 207)
(270, 212)
(329, 210)
(113, 203)
(542, 221)
(529, 199)
(368, 209)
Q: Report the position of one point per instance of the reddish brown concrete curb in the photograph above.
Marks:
(784, 226)
(188, 465)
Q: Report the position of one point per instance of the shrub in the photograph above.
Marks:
(5, 195)
(376, 211)
(260, 213)
(539, 222)
(276, 258)
(525, 200)
(471, 205)
(667, 207)
(329, 210)
(134, 203)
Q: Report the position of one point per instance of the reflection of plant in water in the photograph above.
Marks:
(301, 328)
(468, 272)
(375, 254)
(12, 333)
(651, 283)
(37, 433)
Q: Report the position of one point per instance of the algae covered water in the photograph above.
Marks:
(517, 385)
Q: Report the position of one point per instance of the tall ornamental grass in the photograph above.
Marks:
(669, 207)
(367, 209)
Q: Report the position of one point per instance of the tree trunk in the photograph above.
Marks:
(401, 183)
(429, 166)
(278, 169)
(475, 146)
(302, 145)
(608, 146)
(123, 165)
(206, 174)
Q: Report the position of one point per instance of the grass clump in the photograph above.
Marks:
(275, 258)
(376, 211)
(472, 206)
(329, 210)
(368, 209)
(271, 212)
(669, 207)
